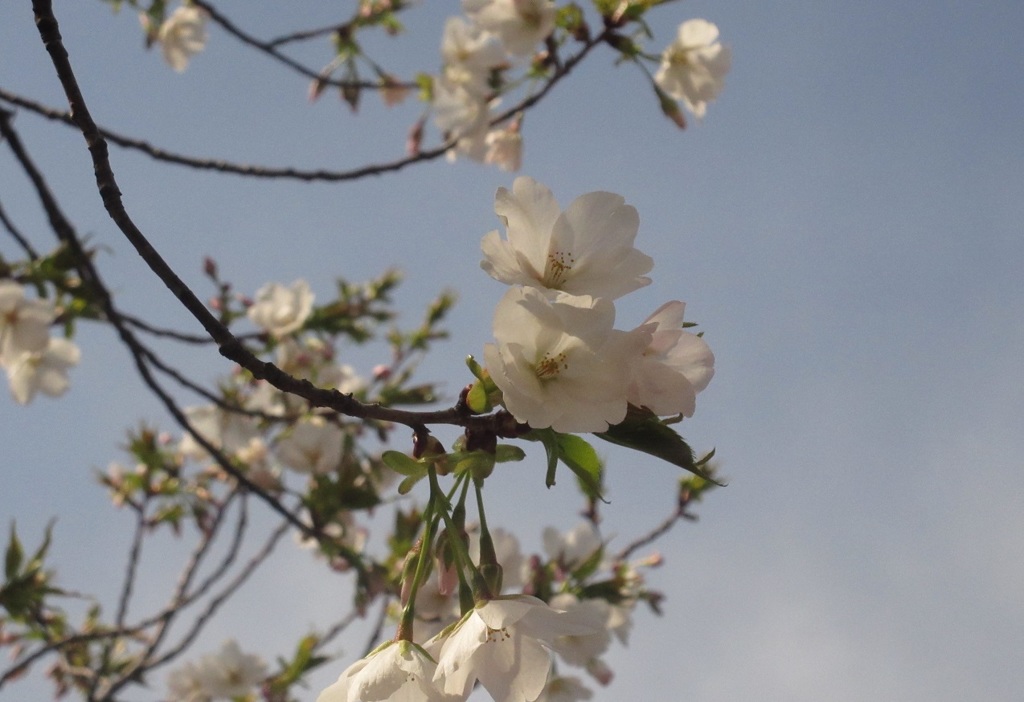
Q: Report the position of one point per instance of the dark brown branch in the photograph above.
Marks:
(222, 166)
(228, 345)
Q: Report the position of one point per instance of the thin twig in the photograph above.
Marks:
(216, 602)
(66, 234)
(651, 536)
(271, 50)
(13, 230)
(305, 175)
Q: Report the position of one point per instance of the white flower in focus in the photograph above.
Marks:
(575, 547)
(505, 148)
(693, 67)
(675, 366)
(469, 53)
(503, 643)
(554, 361)
(400, 672)
(282, 310)
(186, 684)
(567, 689)
(313, 446)
(45, 371)
(182, 35)
(520, 24)
(230, 674)
(586, 250)
(24, 323)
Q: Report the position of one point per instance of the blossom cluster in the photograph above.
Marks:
(265, 429)
(34, 360)
(493, 35)
(228, 674)
(477, 49)
(558, 360)
(511, 644)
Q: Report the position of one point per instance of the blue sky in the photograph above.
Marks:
(846, 226)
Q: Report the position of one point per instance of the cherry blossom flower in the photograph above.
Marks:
(675, 366)
(693, 67)
(342, 530)
(282, 310)
(225, 675)
(521, 24)
(229, 432)
(581, 649)
(186, 684)
(469, 53)
(312, 446)
(557, 361)
(312, 359)
(575, 547)
(463, 114)
(230, 674)
(585, 250)
(400, 671)
(437, 607)
(24, 323)
(503, 643)
(505, 147)
(182, 35)
(43, 371)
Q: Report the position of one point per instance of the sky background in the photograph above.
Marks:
(846, 227)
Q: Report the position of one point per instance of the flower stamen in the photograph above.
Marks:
(550, 366)
(560, 265)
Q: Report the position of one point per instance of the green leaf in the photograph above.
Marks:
(643, 431)
(14, 556)
(550, 440)
(574, 452)
(582, 460)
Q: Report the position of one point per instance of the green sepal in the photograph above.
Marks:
(479, 463)
(407, 484)
(403, 464)
(476, 399)
(507, 453)
(643, 431)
